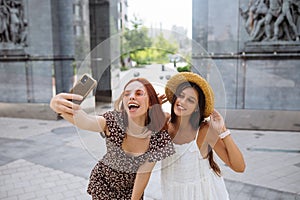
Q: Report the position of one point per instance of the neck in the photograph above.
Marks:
(182, 122)
(137, 125)
(183, 126)
(183, 131)
(138, 131)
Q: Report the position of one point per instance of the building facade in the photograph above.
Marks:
(256, 50)
(43, 43)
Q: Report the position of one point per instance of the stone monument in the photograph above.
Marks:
(36, 48)
(273, 26)
(13, 28)
(255, 44)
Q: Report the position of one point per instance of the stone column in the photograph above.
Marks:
(100, 61)
(63, 43)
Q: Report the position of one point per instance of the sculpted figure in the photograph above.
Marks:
(14, 22)
(285, 14)
(273, 12)
(4, 20)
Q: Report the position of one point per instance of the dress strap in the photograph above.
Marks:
(198, 130)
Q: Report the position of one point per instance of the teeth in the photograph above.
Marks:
(133, 105)
(180, 107)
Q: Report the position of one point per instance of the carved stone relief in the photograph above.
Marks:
(13, 25)
(272, 20)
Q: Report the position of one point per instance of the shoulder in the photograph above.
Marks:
(112, 115)
(202, 132)
(171, 130)
(114, 123)
(161, 138)
(204, 127)
(167, 115)
(161, 146)
(113, 119)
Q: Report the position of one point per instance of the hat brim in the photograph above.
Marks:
(182, 77)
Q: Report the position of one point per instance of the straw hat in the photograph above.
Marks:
(181, 77)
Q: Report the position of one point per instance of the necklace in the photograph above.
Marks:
(144, 134)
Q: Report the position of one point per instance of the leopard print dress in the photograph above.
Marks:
(114, 175)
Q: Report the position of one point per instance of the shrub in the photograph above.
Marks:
(186, 68)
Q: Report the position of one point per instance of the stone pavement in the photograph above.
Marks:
(46, 159)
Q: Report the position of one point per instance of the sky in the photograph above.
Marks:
(162, 13)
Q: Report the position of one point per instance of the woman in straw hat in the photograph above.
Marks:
(191, 173)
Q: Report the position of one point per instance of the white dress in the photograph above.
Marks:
(187, 175)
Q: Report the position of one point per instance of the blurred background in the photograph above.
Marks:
(249, 54)
(250, 57)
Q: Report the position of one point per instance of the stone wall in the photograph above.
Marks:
(27, 67)
(23, 79)
(258, 73)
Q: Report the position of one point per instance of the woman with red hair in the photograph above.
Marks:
(136, 138)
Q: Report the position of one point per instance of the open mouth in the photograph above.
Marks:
(133, 106)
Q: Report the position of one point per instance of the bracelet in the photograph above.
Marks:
(224, 134)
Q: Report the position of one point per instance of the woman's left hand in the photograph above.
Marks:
(162, 98)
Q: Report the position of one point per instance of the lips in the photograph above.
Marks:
(133, 106)
(180, 107)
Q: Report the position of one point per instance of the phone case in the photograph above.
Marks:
(83, 87)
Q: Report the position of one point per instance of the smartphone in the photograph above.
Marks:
(83, 87)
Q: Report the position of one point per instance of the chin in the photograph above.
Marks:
(136, 113)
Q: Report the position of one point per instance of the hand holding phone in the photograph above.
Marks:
(83, 87)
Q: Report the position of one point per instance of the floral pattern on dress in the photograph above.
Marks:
(114, 175)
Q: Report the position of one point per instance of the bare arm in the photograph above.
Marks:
(74, 114)
(141, 180)
(229, 152)
(226, 148)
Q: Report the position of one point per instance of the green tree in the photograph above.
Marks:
(136, 41)
(138, 45)
(164, 47)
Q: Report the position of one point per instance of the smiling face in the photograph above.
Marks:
(135, 99)
(186, 102)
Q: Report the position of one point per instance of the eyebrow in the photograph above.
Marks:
(193, 98)
(135, 91)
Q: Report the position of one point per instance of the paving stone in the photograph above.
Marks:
(48, 160)
(39, 187)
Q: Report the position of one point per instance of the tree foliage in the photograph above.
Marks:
(164, 47)
(140, 47)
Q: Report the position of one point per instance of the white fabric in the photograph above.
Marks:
(186, 175)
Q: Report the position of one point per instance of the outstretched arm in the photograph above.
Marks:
(225, 147)
(62, 104)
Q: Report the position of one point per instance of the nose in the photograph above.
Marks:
(132, 96)
(180, 100)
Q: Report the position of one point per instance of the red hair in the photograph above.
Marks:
(156, 119)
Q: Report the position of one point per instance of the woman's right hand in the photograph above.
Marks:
(62, 103)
